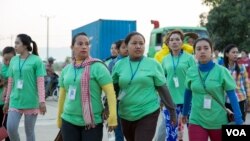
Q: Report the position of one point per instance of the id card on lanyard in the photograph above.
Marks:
(20, 84)
(176, 81)
(72, 88)
(72, 92)
(175, 78)
(207, 102)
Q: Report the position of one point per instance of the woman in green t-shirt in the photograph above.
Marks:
(81, 84)
(137, 80)
(25, 90)
(206, 85)
(175, 66)
(8, 53)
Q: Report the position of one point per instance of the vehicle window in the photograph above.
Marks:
(159, 39)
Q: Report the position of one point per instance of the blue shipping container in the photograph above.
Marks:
(103, 33)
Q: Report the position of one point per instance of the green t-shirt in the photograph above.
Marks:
(108, 61)
(4, 72)
(99, 76)
(140, 98)
(31, 68)
(182, 63)
(217, 82)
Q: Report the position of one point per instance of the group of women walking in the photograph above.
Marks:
(192, 89)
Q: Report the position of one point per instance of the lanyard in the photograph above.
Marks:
(203, 80)
(175, 66)
(133, 73)
(76, 70)
(21, 66)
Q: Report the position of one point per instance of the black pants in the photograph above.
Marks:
(72, 132)
(242, 105)
(1, 119)
(142, 129)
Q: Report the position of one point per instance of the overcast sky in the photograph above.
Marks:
(26, 16)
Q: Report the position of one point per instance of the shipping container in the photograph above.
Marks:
(102, 33)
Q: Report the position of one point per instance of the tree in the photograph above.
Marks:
(229, 22)
(203, 19)
(212, 3)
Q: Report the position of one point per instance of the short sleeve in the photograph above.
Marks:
(188, 79)
(191, 61)
(10, 70)
(61, 77)
(159, 78)
(163, 67)
(4, 71)
(228, 80)
(40, 68)
(102, 74)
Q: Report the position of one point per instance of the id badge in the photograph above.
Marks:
(207, 102)
(121, 95)
(20, 84)
(72, 92)
(176, 82)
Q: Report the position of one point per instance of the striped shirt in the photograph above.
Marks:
(241, 82)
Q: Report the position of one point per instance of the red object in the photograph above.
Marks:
(246, 63)
(155, 23)
(3, 131)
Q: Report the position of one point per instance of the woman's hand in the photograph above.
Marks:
(105, 113)
(173, 117)
(111, 128)
(184, 119)
(42, 108)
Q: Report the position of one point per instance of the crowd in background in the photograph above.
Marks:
(188, 83)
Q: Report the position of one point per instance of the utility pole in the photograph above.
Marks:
(47, 21)
(11, 40)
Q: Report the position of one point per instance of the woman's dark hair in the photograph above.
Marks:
(226, 59)
(203, 39)
(26, 40)
(130, 35)
(9, 49)
(119, 43)
(74, 38)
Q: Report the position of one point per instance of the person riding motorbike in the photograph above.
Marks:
(51, 79)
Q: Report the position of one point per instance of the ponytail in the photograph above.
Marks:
(34, 50)
(26, 40)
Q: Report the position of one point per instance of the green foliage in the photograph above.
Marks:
(212, 3)
(229, 22)
(203, 19)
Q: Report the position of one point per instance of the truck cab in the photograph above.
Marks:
(157, 34)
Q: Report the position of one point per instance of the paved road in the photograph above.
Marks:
(46, 129)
